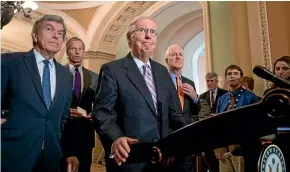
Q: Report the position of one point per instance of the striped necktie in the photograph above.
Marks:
(147, 74)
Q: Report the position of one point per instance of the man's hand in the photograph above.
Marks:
(220, 156)
(74, 114)
(121, 149)
(72, 164)
(189, 90)
(89, 117)
(212, 114)
(3, 120)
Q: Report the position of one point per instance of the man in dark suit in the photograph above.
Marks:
(188, 100)
(135, 100)
(214, 92)
(79, 135)
(38, 90)
(211, 96)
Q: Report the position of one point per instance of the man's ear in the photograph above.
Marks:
(34, 37)
(166, 60)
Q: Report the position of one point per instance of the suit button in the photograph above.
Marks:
(47, 119)
(41, 137)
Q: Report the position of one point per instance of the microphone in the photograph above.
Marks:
(268, 75)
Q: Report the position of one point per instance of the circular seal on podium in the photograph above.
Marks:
(272, 160)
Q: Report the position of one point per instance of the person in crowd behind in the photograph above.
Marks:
(211, 96)
(79, 135)
(248, 84)
(282, 69)
(235, 98)
(136, 100)
(214, 92)
(188, 99)
(39, 91)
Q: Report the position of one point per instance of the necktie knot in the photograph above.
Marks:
(46, 62)
(145, 69)
(76, 69)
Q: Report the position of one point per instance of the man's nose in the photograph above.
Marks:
(148, 35)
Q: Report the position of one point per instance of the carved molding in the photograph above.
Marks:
(120, 23)
(99, 55)
(266, 50)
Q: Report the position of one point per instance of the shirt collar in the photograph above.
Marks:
(72, 68)
(215, 90)
(139, 62)
(39, 58)
(237, 91)
(173, 75)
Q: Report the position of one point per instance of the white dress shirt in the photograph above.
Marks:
(40, 65)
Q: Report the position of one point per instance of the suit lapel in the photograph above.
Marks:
(31, 65)
(207, 96)
(134, 75)
(58, 75)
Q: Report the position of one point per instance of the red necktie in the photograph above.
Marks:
(211, 99)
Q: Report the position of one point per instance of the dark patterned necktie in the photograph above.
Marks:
(232, 102)
(211, 99)
(77, 84)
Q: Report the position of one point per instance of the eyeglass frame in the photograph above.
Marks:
(146, 31)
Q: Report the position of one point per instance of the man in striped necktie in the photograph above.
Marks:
(136, 100)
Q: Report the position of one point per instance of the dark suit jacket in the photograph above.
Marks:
(124, 107)
(190, 109)
(190, 113)
(79, 133)
(206, 96)
(29, 121)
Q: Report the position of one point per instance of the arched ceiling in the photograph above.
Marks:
(100, 24)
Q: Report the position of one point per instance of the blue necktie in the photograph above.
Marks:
(46, 84)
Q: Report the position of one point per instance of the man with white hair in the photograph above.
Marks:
(188, 99)
(135, 101)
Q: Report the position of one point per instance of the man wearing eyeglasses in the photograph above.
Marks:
(135, 101)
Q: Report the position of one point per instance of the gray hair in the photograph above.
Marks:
(211, 75)
(68, 43)
(47, 17)
(132, 25)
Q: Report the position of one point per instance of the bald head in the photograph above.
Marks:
(174, 57)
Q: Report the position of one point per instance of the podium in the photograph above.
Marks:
(244, 126)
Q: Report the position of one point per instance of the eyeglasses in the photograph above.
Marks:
(143, 30)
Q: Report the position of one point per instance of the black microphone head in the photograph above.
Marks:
(268, 75)
(263, 72)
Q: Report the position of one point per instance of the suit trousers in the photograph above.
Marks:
(232, 163)
(39, 165)
(85, 160)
